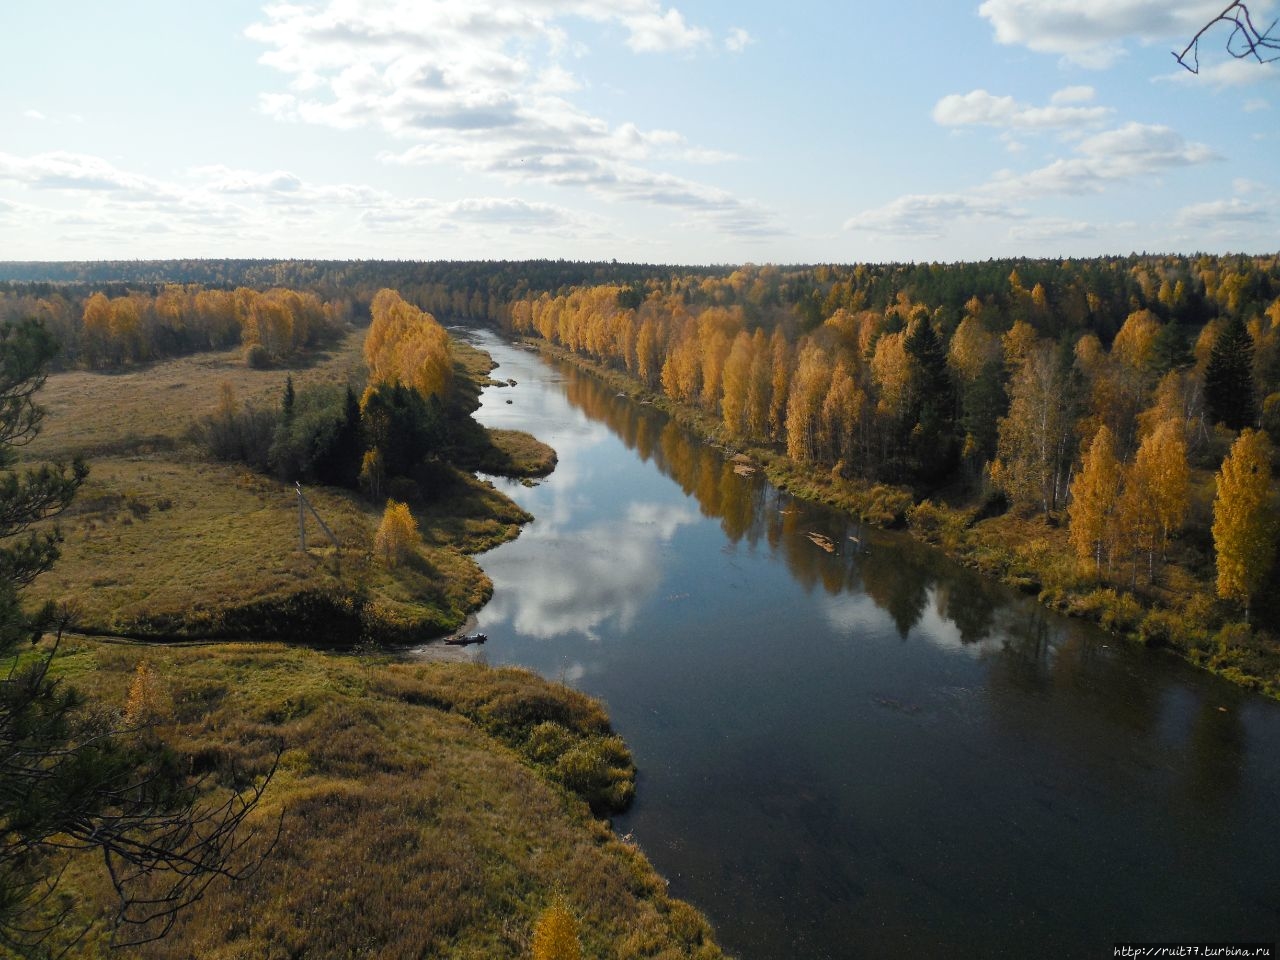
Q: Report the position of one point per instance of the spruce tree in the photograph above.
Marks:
(1228, 379)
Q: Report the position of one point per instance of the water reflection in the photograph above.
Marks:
(869, 752)
(604, 572)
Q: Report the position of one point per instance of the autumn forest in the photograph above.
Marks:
(1096, 431)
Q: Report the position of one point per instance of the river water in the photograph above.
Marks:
(872, 752)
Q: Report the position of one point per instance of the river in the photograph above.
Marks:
(872, 752)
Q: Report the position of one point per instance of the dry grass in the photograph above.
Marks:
(149, 409)
(416, 822)
(162, 542)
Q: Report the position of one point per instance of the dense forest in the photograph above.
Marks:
(1120, 409)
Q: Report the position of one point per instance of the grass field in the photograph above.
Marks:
(160, 541)
(425, 814)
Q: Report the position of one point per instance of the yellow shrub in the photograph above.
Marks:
(397, 535)
(555, 935)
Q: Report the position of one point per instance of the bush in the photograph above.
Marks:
(256, 357)
(397, 537)
(235, 433)
(886, 506)
(599, 770)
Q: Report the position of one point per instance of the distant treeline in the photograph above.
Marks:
(107, 329)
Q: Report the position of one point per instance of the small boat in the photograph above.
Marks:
(466, 639)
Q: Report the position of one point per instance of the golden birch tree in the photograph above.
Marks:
(1242, 523)
(1094, 493)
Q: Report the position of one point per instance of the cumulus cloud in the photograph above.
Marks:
(978, 107)
(1217, 213)
(481, 84)
(928, 214)
(1129, 153)
(61, 170)
(1093, 33)
(509, 211)
(1076, 94)
(1132, 151)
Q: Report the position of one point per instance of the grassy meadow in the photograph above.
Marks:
(163, 542)
(430, 809)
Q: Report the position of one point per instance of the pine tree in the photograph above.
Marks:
(1242, 521)
(1228, 379)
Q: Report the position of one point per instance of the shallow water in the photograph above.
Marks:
(872, 752)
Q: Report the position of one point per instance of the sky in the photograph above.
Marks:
(636, 130)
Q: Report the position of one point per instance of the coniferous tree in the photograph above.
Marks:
(1228, 379)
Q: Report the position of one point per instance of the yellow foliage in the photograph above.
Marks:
(397, 535)
(1093, 500)
(147, 702)
(405, 345)
(1241, 517)
(555, 935)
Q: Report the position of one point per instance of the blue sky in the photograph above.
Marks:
(630, 129)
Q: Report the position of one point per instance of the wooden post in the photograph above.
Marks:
(302, 519)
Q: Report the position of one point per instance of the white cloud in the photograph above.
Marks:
(1223, 75)
(1076, 94)
(1219, 213)
(978, 107)
(1255, 104)
(655, 32)
(738, 40)
(1133, 151)
(62, 170)
(927, 214)
(1093, 33)
(480, 84)
(219, 203)
(1051, 229)
(511, 212)
(34, 115)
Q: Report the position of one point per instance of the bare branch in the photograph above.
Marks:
(1245, 42)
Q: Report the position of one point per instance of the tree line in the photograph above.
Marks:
(1044, 407)
(99, 329)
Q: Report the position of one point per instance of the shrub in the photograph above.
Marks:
(555, 935)
(599, 770)
(256, 357)
(397, 537)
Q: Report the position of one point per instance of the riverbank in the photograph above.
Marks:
(1181, 615)
(429, 809)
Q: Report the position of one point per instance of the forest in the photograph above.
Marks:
(1098, 431)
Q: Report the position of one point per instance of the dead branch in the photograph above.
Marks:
(1245, 41)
